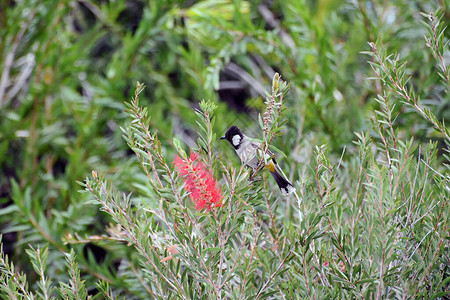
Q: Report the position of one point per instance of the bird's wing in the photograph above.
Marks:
(269, 154)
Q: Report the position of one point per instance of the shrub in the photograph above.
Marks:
(369, 219)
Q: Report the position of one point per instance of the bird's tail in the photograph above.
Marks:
(285, 186)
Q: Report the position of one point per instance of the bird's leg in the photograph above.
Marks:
(253, 177)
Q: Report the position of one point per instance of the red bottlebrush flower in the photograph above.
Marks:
(199, 182)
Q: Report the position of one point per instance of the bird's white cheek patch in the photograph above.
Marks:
(236, 139)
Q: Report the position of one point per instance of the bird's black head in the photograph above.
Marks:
(234, 136)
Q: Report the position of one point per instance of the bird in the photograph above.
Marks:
(250, 152)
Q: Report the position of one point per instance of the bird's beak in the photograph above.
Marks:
(222, 137)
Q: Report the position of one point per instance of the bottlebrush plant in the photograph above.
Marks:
(193, 238)
(372, 225)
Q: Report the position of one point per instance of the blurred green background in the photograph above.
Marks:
(68, 66)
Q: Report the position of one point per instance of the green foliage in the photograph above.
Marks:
(370, 216)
